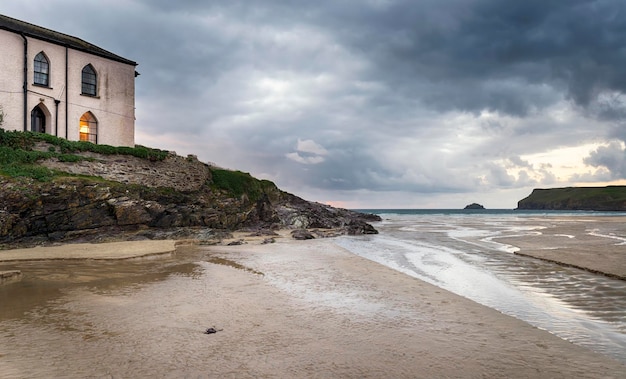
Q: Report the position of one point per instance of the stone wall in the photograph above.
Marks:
(181, 174)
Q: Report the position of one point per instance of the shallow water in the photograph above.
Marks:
(128, 318)
(460, 253)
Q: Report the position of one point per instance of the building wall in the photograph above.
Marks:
(44, 96)
(113, 107)
(11, 79)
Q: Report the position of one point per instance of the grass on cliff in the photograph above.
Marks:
(18, 159)
(599, 195)
(238, 183)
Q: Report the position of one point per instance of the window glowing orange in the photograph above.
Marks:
(88, 130)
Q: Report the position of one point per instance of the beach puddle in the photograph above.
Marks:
(86, 318)
(45, 281)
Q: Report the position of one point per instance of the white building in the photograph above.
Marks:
(61, 85)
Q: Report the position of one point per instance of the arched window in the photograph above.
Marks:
(42, 69)
(89, 81)
(37, 120)
(88, 128)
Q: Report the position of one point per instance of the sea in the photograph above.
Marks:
(458, 250)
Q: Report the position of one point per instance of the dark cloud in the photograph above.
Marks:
(574, 46)
(451, 54)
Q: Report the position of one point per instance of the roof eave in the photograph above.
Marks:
(93, 49)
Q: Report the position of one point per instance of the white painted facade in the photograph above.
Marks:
(62, 101)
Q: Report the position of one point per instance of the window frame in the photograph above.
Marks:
(89, 81)
(89, 121)
(41, 73)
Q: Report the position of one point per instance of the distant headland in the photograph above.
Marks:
(610, 198)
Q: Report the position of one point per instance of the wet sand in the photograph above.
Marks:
(595, 244)
(288, 309)
(112, 250)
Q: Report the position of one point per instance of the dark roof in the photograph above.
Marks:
(34, 31)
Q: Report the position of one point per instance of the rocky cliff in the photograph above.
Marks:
(611, 198)
(55, 191)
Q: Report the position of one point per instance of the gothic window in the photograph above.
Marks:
(88, 128)
(42, 69)
(89, 81)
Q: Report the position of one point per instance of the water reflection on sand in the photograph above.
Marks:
(85, 318)
(465, 255)
(45, 281)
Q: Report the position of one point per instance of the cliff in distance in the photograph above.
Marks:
(610, 198)
(54, 190)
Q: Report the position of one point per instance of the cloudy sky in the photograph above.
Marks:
(374, 103)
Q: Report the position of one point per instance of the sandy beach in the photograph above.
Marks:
(112, 250)
(596, 244)
(288, 309)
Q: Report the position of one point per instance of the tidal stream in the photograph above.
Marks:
(461, 253)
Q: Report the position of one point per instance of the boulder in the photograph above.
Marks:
(302, 234)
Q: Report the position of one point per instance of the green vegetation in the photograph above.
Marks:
(17, 162)
(17, 157)
(577, 198)
(27, 140)
(239, 183)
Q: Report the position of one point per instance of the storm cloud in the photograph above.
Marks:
(374, 103)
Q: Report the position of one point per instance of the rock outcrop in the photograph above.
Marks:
(611, 198)
(10, 276)
(474, 206)
(133, 170)
(123, 197)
